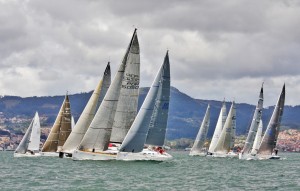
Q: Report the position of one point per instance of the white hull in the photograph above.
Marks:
(223, 155)
(49, 154)
(258, 157)
(27, 155)
(87, 155)
(145, 155)
(202, 154)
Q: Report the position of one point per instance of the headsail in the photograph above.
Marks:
(153, 115)
(254, 124)
(88, 113)
(201, 136)
(61, 128)
(34, 141)
(218, 129)
(72, 123)
(22, 147)
(225, 141)
(257, 139)
(99, 132)
(269, 139)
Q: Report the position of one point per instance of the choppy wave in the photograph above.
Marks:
(181, 173)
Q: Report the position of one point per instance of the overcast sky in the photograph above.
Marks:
(217, 48)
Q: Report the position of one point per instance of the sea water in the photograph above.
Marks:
(183, 172)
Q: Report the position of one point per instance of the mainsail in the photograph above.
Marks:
(201, 136)
(126, 82)
(31, 139)
(218, 129)
(151, 122)
(61, 128)
(254, 124)
(257, 139)
(88, 113)
(226, 140)
(269, 139)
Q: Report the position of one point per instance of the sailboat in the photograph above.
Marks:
(218, 129)
(60, 131)
(267, 148)
(197, 149)
(246, 151)
(227, 137)
(116, 112)
(257, 139)
(87, 115)
(145, 138)
(30, 143)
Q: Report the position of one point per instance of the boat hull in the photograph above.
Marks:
(145, 155)
(49, 154)
(26, 155)
(86, 155)
(223, 155)
(258, 157)
(198, 154)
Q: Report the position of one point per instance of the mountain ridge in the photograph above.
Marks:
(185, 115)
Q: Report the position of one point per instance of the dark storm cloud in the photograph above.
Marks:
(217, 48)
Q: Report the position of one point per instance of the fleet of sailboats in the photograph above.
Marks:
(110, 128)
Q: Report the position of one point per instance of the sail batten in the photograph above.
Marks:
(269, 139)
(88, 113)
(149, 126)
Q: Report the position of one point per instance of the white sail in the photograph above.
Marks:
(257, 139)
(127, 78)
(201, 136)
(152, 115)
(254, 124)
(218, 129)
(34, 141)
(27, 138)
(72, 123)
(226, 139)
(88, 113)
